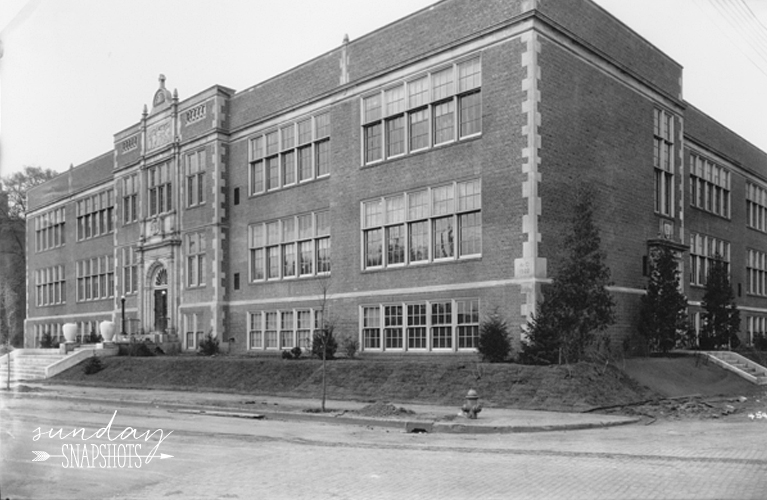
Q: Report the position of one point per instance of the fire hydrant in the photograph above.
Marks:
(472, 407)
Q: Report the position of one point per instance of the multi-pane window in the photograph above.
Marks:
(709, 186)
(50, 284)
(159, 189)
(441, 223)
(371, 327)
(195, 178)
(95, 278)
(703, 252)
(756, 273)
(195, 259)
(393, 333)
(287, 330)
(468, 323)
(193, 330)
(294, 153)
(420, 113)
(756, 207)
(130, 198)
(283, 329)
(441, 325)
(663, 160)
(444, 324)
(292, 247)
(49, 230)
(129, 259)
(94, 215)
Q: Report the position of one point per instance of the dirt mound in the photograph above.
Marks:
(690, 407)
(380, 409)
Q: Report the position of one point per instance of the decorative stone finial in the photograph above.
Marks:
(175, 94)
(162, 97)
(346, 38)
(144, 113)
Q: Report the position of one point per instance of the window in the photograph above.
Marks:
(255, 331)
(427, 111)
(195, 178)
(756, 207)
(195, 259)
(130, 198)
(709, 186)
(129, 260)
(441, 325)
(292, 247)
(193, 330)
(294, 153)
(703, 251)
(371, 327)
(441, 223)
(50, 284)
(270, 330)
(159, 189)
(756, 273)
(663, 159)
(94, 215)
(416, 326)
(283, 329)
(95, 278)
(468, 323)
(287, 330)
(393, 327)
(49, 230)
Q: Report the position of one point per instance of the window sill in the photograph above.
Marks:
(289, 186)
(708, 212)
(423, 263)
(415, 152)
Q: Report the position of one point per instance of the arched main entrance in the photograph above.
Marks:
(160, 300)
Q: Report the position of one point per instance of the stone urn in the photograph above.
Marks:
(107, 329)
(70, 332)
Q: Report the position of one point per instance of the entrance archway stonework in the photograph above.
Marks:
(158, 297)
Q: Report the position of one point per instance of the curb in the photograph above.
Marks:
(408, 426)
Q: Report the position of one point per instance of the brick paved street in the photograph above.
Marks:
(218, 457)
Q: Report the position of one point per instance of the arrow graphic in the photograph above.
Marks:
(41, 456)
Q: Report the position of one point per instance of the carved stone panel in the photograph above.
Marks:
(159, 135)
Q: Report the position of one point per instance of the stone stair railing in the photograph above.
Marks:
(38, 364)
(740, 365)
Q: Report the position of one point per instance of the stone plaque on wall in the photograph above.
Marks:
(159, 135)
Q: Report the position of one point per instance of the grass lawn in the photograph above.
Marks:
(418, 380)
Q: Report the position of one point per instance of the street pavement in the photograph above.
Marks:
(430, 418)
(217, 457)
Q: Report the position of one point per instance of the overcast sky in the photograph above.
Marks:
(74, 72)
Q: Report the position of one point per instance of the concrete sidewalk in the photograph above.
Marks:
(425, 418)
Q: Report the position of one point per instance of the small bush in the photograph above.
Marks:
(92, 365)
(138, 349)
(760, 342)
(324, 337)
(208, 346)
(494, 344)
(47, 342)
(296, 352)
(286, 354)
(351, 347)
(94, 338)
